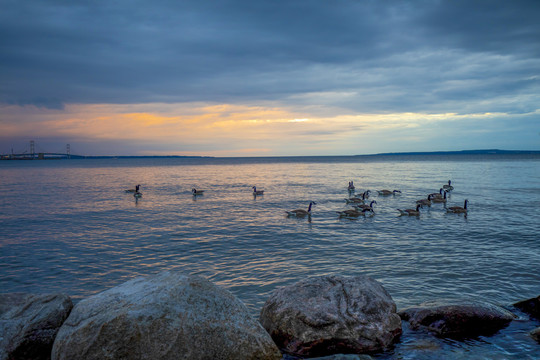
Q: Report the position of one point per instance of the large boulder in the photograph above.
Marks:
(331, 314)
(530, 306)
(165, 316)
(535, 334)
(29, 324)
(464, 319)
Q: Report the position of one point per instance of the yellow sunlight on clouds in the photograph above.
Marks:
(247, 129)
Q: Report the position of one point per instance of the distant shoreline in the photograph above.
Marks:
(414, 153)
(462, 152)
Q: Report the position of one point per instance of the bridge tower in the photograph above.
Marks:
(68, 151)
(32, 148)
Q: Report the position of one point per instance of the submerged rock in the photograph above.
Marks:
(530, 306)
(166, 316)
(331, 315)
(29, 324)
(458, 320)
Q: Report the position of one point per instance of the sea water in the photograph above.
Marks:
(69, 226)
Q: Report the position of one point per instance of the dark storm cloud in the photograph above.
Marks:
(393, 56)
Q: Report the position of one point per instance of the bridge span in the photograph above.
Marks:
(39, 155)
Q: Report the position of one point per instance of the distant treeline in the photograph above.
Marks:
(463, 152)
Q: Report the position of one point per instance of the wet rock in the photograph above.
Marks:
(535, 334)
(29, 324)
(165, 316)
(344, 357)
(458, 320)
(530, 306)
(330, 315)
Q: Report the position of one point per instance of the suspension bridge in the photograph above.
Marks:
(34, 153)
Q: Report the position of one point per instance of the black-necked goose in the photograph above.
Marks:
(439, 199)
(302, 212)
(366, 207)
(459, 209)
(410, 212)
(388, 192)
(354, 212)
(449, 186)
(439, 194)
(257, 192)
(356, 200)
(424, 202)
(133, 190)
(351, 186)
(197, 192)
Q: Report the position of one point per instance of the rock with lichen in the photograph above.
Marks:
(327, 315)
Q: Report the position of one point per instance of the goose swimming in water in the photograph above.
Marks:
(257, 192)
(366, 207)
(424, 202)
(448, 187)
(356, 200)
(133, 190)
(458, 209)
(301, 212)
(410, 212)
(388, 192)
(351, 186)
(439, 194)
(439, 200)
(354, 212)
(197, 192)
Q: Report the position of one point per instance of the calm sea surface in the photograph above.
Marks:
(68, 226)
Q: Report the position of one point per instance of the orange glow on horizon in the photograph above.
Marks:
(224, 129)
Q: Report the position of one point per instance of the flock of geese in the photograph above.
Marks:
(360, 208)
(358, 202)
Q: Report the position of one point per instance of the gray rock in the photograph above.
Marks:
(535, 334)
(344, 357)
(29, 324)
(165, 316)
(330, 315)
(530, 306)
(464, 319)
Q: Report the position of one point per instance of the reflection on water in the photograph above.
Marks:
(69, 226)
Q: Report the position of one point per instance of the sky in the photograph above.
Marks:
(269, 77)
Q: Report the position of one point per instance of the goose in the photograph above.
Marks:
(354, 212)
(448, 187)
(356, 200)
(197, 192)
(410, 212)
(366, 207)
(424, 202)
(439, 199)
(351, 186)
(301, 212)
(137, 194)
(439, 194)
(388, 192)
(257, 192)
(458, 209)
(133, 190)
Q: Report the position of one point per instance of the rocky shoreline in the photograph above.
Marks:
(171, 315)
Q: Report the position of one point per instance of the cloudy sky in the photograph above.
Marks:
(266, 78)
